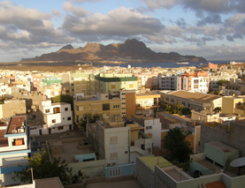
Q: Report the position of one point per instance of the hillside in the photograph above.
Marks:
(129, 51)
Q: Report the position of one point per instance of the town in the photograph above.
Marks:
(145, 127)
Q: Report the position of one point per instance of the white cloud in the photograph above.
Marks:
(77, 11)
(118, 23)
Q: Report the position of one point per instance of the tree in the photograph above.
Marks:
(222, 82)
(175, 142)
(89, 117)
(44, 167)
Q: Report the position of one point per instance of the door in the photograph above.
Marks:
(49, 131)
(70, 127)
(40, 132)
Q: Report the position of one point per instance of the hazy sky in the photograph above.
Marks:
(214, 29)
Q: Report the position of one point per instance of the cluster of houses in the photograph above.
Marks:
(127, 139)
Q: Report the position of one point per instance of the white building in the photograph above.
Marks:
(223, 76)
(5, 89)
(167, 82)
(152, 127)
(57, 118)
(14, 149)
(119, 142)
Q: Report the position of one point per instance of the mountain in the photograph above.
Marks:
(129, 51)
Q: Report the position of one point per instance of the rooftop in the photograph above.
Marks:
(66, 149)
(153, 161)
(16, 123)
(197, 97)
(48, 183)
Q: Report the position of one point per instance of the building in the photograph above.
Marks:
(194, 101)
(152, 127)
(119, 142)
(231, 135)
(167, 81)
(214, 78)
(81, 82)
(170, 121)
(109, 106)
(14, 148)
(57, 118)
(147, 80)
(197, 82)
(235, 105)
(12, 107)
(5, 89)
(208, 169)
(109, 83)
(233, 89)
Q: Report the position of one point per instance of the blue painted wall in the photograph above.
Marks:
(83, 157)
(11, 169)
(126, 169)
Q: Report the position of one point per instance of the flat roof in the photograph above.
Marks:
(198, 97)
(222, 147)
(15, 123)
(159, 161)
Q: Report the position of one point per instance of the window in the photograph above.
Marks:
(69, 118)
(116, 106)
(66, 109)
(113, 140)
(114, 156)
(105, 107)
(53, 120)
(60, 127)
(113, 87)
(167, 99)
(47, 110)
(131, 85)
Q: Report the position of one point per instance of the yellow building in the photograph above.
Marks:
(235, 105)
(110, 109)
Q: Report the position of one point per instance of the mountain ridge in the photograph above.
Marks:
(131, 50)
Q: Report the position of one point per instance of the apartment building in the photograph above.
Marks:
(109, 83)
(194, 101)
(234, 105)
(214, 78)
(119, 142)
(197, 82)
(14, 148)
(5, 89)
(81, 82)
(152, 127)
(167, 81)
(232, 88)
(57, 118)
(109, 106)
(147, 80)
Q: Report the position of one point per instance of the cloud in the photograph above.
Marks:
(214, 52)
(83, 1)
(210, 19)
(211, 6)
(25, 27)
(77, 11)
(181, 22)
(121, 23)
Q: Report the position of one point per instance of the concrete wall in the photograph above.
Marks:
(145, 175)
(120, 148)
(234, 138)
(91, 168)
(12, 108)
